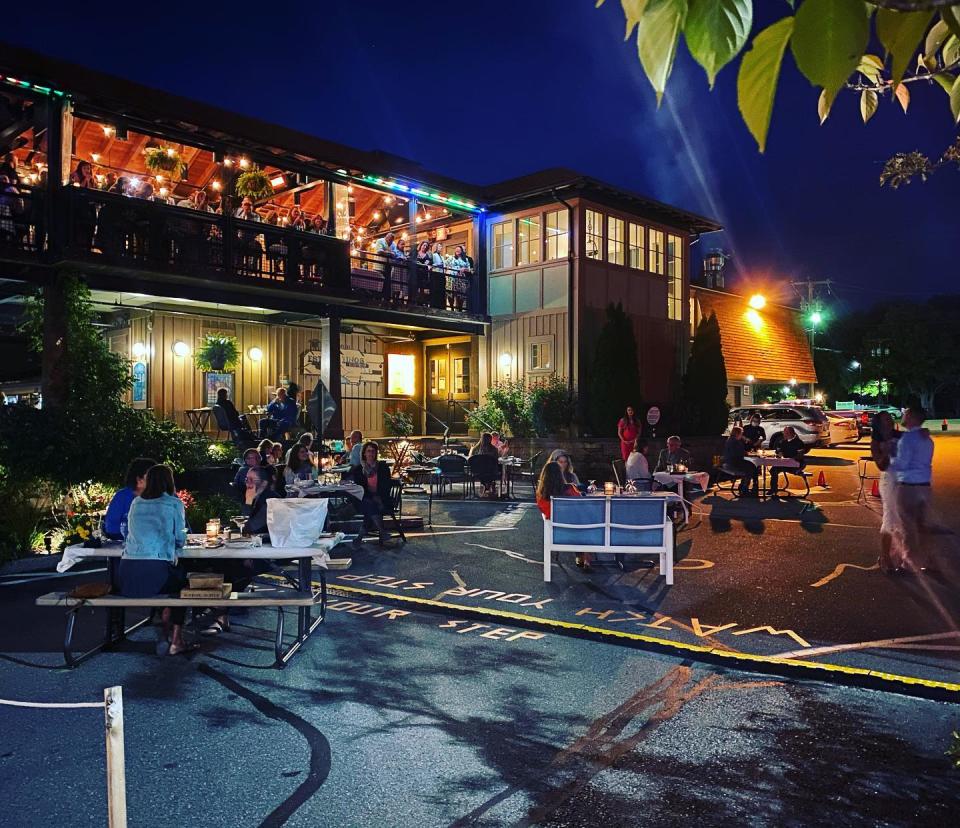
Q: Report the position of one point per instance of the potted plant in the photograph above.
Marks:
(164, 161)
(253, 184)
(218, 352)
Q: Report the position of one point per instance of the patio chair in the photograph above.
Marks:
(484, 468)
(527, 470)
(453, 469)
(620, 472)
(396, 514)
(242, 437)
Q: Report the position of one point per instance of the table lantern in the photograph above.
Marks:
(213, 529)
(610, 488)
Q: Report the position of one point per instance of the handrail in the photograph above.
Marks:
(446, 426)
(473, 413)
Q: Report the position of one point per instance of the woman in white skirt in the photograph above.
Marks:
(883, 448)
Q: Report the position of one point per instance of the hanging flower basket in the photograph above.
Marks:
(164, 161)
(219, 352)
(253, 184)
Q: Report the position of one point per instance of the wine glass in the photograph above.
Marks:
(592, 486)
(239, 521)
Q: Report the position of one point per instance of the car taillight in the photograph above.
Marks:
(864, 419)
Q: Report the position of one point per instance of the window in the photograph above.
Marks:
(461, 375)
(502, 245)
(500, 299)
(528, 240)
(528, 290)
(540, 354)
(594, 234)
(674, 277)
(614, 240)
(656, 251)
(557, 228)
(401, 373)
(636, 249)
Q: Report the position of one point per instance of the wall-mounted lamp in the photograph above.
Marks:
(138, 349)
(255, 354)
(793, 380)
(506, 361)
(181, 349)
(749, 377)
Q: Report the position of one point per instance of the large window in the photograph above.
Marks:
(656, 251)
(637, 248)
(615, 254)
(594, 234)
(502, 245)
(675, 277)
(557, 226)
(528, 240)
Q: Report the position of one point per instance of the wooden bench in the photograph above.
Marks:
(621, 525)
(116, 605)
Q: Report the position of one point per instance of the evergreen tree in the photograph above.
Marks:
(614, 381)
(704, 394)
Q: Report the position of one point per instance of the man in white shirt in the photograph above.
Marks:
(913, 468)
(356, 447)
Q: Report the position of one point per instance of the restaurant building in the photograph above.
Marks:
(186, 220)
(763, 343)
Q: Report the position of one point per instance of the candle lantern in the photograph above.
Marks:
(609, 488)
(213, 529)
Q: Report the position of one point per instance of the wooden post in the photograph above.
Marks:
(116, 772)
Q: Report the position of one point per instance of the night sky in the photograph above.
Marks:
(487, 91)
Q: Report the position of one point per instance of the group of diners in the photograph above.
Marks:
(744, 440)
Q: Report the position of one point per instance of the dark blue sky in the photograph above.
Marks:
(486, 91)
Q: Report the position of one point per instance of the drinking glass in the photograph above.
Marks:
(592, 486)
(239, 521)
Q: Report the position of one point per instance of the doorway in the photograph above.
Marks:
(448, 386)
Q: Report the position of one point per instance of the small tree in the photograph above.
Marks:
(704, 394)
(614, 381)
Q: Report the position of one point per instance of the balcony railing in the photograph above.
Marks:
(120, 231)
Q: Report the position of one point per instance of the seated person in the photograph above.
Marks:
(299, 466)
(552, 483)
(355, 444)
(562, 459)
(500, 443)
(281, 415)
(735, 462)
(791, 447)
(673, 455)
(485, 446)
(251, 459)
(753, 434)
(306, 440)
(265, 449)
(157, 529)
(638, 464)
(373, 476)
(237, 423)
(134, 482)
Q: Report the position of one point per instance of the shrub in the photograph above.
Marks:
(221, 454)
(552, 406)
(513, 399)
(206, 507)
(21, 529)
(398, 423)
(520, 411)
(615, 374)
(486, 417)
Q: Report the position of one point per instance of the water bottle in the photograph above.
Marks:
(123, 531)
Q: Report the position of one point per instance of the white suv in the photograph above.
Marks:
(811, 424)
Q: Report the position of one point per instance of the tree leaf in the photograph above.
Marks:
(657, 34)
(955, 100)
(824, 104)
(937, 34)
(951, 16)
(870, 67)
(758, 76)
(632, 11)
(716, 31)
(900, 33)
(951, 50)
(829, 39)
(945, 81)
(869, 101)
(903, 95)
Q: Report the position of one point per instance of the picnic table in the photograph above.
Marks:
(317, 554)
(311, 488)
(765, 460)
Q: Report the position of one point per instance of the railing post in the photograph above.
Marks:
(116, 770)
(413, 285)
(229, 236)
(478, 284)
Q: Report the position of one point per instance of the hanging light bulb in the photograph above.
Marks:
(215, 185)
(376, 215)
(171, 152)
(427, 216)
(244, 163)
(228, 162)
(108, 131)
(419, 219)
(95, 157)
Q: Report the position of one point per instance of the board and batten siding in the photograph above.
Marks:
(513, 335)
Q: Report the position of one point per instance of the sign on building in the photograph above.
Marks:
(357, 367)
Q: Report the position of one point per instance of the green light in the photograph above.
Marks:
(816, 317)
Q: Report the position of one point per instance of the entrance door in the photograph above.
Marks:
(448, 383)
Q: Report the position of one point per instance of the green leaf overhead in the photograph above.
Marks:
(945, 82)
(823, 105)
(935, 37)
(955, 100)
(951, 16)
(869, 101)
(829, 38)
(900, 33)
(758, 76)
(632, 12)
(716, 31)
(657, 34)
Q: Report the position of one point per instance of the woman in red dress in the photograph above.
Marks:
(628, 429)
(553, 484)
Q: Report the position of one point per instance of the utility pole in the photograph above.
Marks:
(811, 308)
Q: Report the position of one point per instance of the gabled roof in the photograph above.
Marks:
(568, 183)
(776, 350)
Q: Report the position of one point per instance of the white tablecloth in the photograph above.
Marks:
(782, 462)
(702, 479)
(319, 551)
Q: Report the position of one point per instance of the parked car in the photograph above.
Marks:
(843, 429)
(862, 417)
(810, 423)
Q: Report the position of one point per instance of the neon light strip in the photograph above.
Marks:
(399, 186)
(36, 87)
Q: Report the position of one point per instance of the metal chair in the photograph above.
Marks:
(242, 438)
(863, 466)
(620, 472)
(483, 468)
(396, 513)
(526, 470)
(453, 469)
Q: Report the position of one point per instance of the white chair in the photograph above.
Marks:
(619, 525)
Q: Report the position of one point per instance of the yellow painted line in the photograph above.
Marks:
(944, 689)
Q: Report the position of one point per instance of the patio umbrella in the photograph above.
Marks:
(321, 407)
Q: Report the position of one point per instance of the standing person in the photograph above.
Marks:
(373, 476)
(355, 441)
(134, 481)
(883, 448)
(735, 462)
(792, 448)
(149, 563)
(628, 429)
(913, 467)
(753, 434)
(553, 484)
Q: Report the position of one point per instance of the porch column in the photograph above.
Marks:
(330, 373)
(54, 378)
(478, 284)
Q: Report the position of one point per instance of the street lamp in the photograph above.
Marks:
(758, 301)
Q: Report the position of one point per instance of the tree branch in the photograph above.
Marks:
(913, 5)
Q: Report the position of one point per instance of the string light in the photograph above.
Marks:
(171, 152)
(244, 163)
(215, 185)
(376, 215)
(108, 131)
(228, 162)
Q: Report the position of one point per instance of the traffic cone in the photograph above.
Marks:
(875, 491)
(822, 480)
(944, 425)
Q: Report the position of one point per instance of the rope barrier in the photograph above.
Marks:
(52, 704)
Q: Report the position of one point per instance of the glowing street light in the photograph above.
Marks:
(816, 317)
(758, 301)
